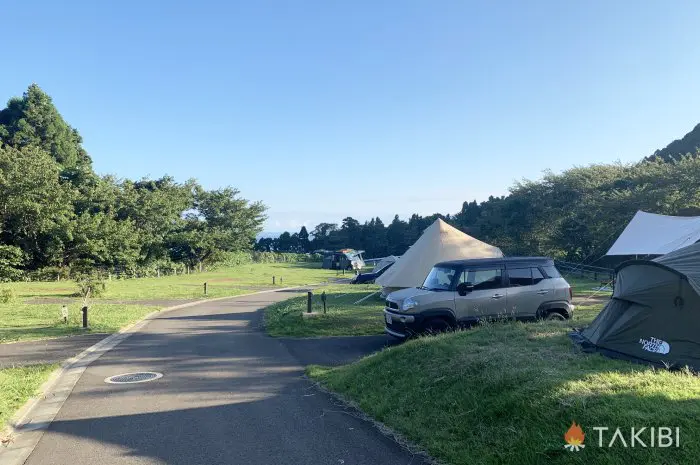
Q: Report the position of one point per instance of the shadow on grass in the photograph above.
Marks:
(61, 295)
(39, 332)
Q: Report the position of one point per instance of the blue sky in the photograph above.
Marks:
(327, 109)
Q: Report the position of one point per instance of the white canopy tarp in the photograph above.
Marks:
(652, 234)
(384, 262)
(439, 242)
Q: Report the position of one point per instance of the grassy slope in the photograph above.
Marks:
(19, 384)
(342, 317)
(507, 392)
(20, 320)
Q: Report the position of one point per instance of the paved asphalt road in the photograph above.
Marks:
(229, 395)
(47, 351)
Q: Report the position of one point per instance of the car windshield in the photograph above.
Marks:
(439, 279)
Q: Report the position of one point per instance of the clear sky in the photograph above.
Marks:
(325, 109)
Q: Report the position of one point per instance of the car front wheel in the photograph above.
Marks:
(554, 316)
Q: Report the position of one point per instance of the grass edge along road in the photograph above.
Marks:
(26, 318)
(343, 316)
(507, 393)
(17, 386)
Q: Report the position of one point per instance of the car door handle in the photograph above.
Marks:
(497, 296)
(543, 292)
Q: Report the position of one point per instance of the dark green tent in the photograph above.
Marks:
(654, 313)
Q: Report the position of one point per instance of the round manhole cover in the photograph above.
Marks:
(131, 378)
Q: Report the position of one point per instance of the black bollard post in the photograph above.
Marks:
(309, 295)
(323, 299)
(85, 316)
(273, 280)
(205, 288)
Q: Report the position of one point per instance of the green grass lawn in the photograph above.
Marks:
(28, 321)
(342, 317)
(587, 287)
(24, 320)
(17, 385)
(223, 282)
(507, 392)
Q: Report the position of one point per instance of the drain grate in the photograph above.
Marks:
(132, 378)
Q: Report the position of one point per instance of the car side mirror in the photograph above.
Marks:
(464, 288)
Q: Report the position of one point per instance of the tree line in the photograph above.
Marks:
(575, 215)
(57, 214)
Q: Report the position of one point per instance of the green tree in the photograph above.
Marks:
(35, 207)
(397, 236)
(34, 121)
(304, 244)
(265, 244)
(374, 239)
(221, 222)
(322, 236)
(11, 261)
(156, 208)
(104, 241)
(284, 242)
(350, 234)
(466, 219)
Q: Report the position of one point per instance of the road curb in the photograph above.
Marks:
(34, 417)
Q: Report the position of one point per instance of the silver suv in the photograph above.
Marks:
(462, 292)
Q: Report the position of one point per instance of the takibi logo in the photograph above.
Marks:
(645, 436)
(574, 438)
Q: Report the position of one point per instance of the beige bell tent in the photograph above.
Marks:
(439, 242)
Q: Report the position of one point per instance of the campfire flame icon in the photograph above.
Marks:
(574, 438)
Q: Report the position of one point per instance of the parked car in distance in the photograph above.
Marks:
(462, 292)
(366, 278)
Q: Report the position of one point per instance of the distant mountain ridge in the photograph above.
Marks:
(679, 147)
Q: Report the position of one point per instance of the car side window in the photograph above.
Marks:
(463, 277)
(537, 276)
(551, 271)
(520, 277)
(483, 279)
